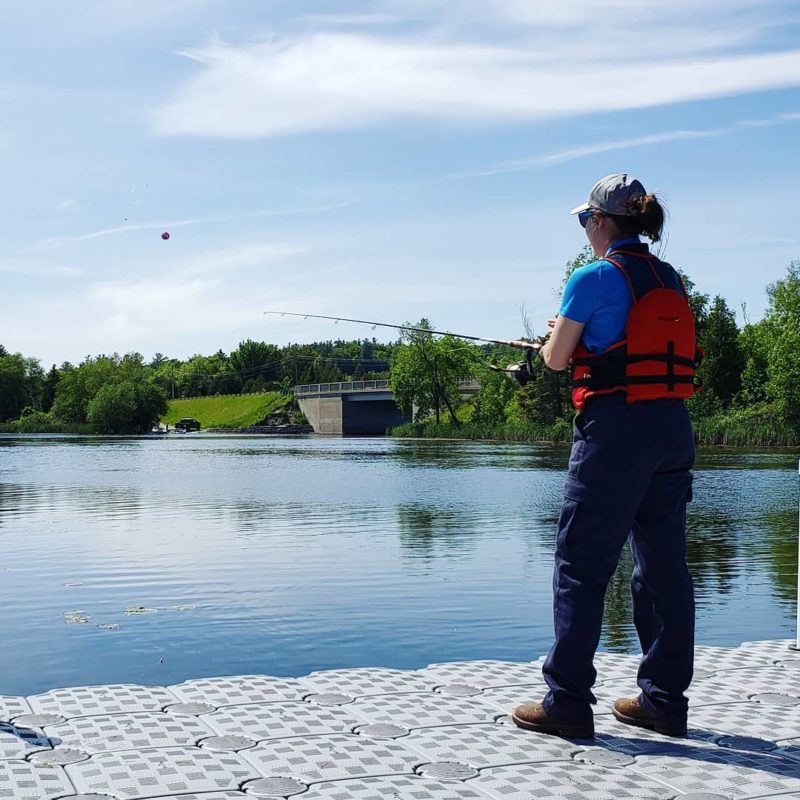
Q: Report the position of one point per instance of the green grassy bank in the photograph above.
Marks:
(226, 411)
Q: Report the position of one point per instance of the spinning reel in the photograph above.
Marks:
(522, 371)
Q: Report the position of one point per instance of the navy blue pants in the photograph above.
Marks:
(629, 480)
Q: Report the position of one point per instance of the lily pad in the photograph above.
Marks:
(76, 617)
(133, 611)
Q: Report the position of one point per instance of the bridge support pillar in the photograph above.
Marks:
(352, 407)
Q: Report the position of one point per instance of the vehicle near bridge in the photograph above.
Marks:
(187, 424)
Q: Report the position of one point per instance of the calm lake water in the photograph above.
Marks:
(286, 555)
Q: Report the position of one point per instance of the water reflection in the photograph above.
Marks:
(775, 540)
(17, 500)
(480, 455)
(427, 530)
(300, 554)
(712, 551)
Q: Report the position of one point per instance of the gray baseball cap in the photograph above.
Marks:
(612, 194)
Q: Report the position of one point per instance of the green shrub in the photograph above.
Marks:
(33, 421)
(759, 425)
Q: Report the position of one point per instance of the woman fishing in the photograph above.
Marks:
(626, 330)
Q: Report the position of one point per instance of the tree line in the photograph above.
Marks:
(750, 377)
(126, 394)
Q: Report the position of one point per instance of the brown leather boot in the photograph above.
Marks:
(630, 711)
(533, 717)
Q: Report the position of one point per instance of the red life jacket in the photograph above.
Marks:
(659, 355)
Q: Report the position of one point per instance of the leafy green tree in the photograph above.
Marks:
(426, 372)
(783, 359)
(754, 342)
(79, 385)
(723, 363)
(312, 363)
(150, 401)
(34, 382)
(202, 376)
(256, 361)
(21, 384)
(544, 400)
(112, 409)
(164, 375)
(112, 394)
(13, 385)
(49, 388)
(493, 398)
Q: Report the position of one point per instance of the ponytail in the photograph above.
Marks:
(646, 217)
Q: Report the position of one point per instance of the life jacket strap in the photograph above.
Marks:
(639, 379)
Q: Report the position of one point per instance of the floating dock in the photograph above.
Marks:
(439, 733)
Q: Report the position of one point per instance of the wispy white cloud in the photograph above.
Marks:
(335, 81)
(38, 268)
(179, 308)
(778, 119)
(573, 153)
(59, 241)
(144, 313)
(561, 156)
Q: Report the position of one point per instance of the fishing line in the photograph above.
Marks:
(413, 328)
(522, 371)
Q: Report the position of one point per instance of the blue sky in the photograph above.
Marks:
(382, 159)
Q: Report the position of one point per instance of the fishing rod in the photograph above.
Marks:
(522, 371)
(510, 342)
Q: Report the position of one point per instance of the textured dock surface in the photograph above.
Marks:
(441, 733)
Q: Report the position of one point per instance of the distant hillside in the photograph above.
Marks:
(226, 411)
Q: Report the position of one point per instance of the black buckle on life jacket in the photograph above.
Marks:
(607, 370)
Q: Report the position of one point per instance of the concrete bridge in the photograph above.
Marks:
(355, 407)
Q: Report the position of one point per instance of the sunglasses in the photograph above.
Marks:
(585, 216)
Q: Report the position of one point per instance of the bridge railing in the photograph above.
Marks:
(341, 386)
(363, 386)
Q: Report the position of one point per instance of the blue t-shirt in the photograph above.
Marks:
(598, 296)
